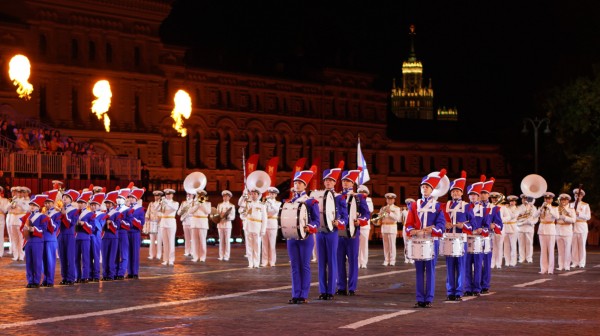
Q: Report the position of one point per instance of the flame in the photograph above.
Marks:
(101, 105)
(19, 70)
(183, 108)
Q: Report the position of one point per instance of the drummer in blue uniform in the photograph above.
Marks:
(458, 217)
(136, 216)
(473, 261)
(123, 233)
(33, 226)
(348, 246)
(426, 218)
(83, 230)
(110, 238)
(50, 241)
(99, 219)
(327, 242)
(66, 237)
(492, 221)
(300, 251)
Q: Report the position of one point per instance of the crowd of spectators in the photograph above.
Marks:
(41, 139)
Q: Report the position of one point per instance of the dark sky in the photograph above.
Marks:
(486, 58)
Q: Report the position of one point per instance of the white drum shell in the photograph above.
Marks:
(452, 246)
(487, 245)
(421, 249)
(474, 244)
(350, 230)
(326, 200)
(293, 218)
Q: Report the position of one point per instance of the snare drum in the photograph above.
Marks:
(474, 244)
(420, 249)
(350, 230)
(487, 245)
(452, 245)
(326, 200)
(293, 218)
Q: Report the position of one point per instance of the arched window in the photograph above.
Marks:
(43, 45)
(198, 150)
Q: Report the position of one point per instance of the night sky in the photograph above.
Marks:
(489, 59)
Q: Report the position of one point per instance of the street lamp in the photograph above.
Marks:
(536, 124)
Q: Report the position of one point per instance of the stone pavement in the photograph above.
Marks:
(224, 298)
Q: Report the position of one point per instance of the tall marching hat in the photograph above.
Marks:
(38, 200)
(351, 175)
(85, 196)
(136, 193)
(333, 173)
(73, 194)
(97, 198)
(488, 185)
(433, 181)
(475, 188)
(124, 192)
(226, 192)
(460, 182)
(52, 195)
(111, 197)
(304, 176)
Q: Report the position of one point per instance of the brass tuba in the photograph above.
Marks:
(194, 182)
(534, 186)
(258, 180)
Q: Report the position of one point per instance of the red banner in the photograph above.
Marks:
(314, 183)
(272, 171)
(298, 167)
(251, 164)
(338, 183)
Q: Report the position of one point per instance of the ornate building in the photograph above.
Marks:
(412, 100)
(72, 44)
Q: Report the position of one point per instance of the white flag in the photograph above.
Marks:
(362, 166)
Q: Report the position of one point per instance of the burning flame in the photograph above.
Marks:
(183, 108)
(19, 70)
(101, 105)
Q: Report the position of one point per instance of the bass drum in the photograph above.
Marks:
(293, 218)
(350, 230)
(326, 200)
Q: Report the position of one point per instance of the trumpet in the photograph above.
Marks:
(524, 215)
(562, 211)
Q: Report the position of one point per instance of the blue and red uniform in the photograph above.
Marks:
(457, 211)
(82, 245)
(136, 216)
(66, 244)
(122, 258)
(110, 244)
(50, 246)
(473, 261)
(98, 222)
(34, 246)
(491, 215)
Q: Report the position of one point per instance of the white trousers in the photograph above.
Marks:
(269, 252)
(253, 244)
(314, 256)
(389, 248)
(198, 248)
(363, 247)
(510, 248)
(159, 244)
(564, 251)
(224, 244)
(2, 224)
(578, 249)
(187, 236)
(547, 243)
(525, 246)
(152, 247)
(16, 242)
(497, 250)
(168, 238)
(247, 244)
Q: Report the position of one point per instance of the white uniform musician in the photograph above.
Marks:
(184, 217)
(389, 215)
(363, 248)
(18, 208)
(547, 233)
(242, 209)
(564, 232)
(198, 219)
(151, 226)
(498, 239)
(168, 226)
(269, 240)
(580, 229)
(405, 236)
(256, 226)
(226, 211)
(4, 205)
(526, 220)
(510, 232)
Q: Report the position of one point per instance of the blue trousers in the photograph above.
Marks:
(426, 276)
(455, 268)
(82, 259)
(34, 261)
(66, 253)
(472, 276)
(327, 246)
(486, 271)
(348, 247)
(300, 252)
(134, 252)
(109, 257)
(49, 261)
(122, 253)
(95, 251)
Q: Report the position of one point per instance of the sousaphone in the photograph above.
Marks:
(534, 186)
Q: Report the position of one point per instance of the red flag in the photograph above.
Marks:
(314, 183)
(298, 167)
(338, 183)
(272, 171)
(251, 164)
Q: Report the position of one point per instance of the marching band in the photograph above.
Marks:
(93, 231)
